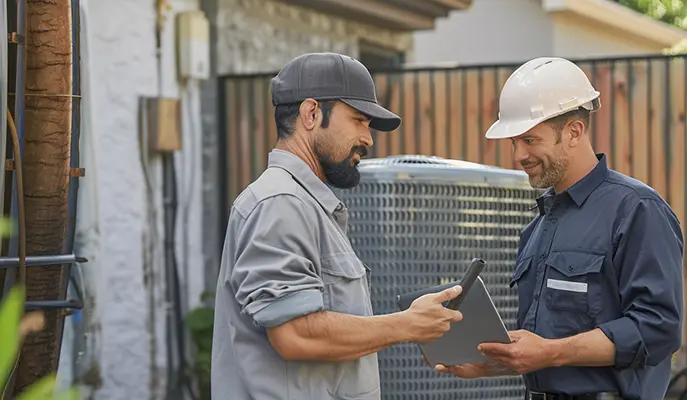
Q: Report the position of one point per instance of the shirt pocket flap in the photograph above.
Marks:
(520, 268)
(575, 263)
(346, 266)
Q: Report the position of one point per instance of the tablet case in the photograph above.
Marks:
(481, 323)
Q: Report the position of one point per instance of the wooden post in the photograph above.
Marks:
(47, 135)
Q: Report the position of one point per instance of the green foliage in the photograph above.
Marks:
(200, 322)
(11, 313)
(673, 12)
(10, 318)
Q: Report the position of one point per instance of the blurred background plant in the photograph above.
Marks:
(15, 326)
(200, 323)
(673, 12)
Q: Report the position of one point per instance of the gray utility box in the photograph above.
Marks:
(418, 221)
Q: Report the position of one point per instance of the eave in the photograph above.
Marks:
(397, 15)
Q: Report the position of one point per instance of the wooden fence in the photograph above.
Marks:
(641, 125)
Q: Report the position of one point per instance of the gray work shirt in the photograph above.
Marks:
(607, 254)
(286, 255)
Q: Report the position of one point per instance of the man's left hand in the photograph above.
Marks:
(527, 352)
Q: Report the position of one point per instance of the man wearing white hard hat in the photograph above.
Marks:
(599, 269)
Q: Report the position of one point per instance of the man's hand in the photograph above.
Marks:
(476, 370)
(527, 352)
(428, 319)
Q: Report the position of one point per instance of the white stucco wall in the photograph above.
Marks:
(490, 31)
(119, 66)
(513, 31)
(578, 38)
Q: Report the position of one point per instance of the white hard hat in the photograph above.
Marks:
(538, 90)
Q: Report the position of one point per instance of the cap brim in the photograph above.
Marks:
(381, 119)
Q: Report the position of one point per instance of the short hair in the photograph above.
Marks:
(559, 122)
(285, 115)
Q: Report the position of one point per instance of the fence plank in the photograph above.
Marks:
(440, 115)
(457, 115)
(620, 118)
(258, 130)
(488, 115)
(505, 147)
(395, 137)
(232, 152)
(601, 124)
(425, 133)
(381, 139)
(639, 120)
(473, 108)
(244, 134)
(409, 106)
(657, 131)
(270, 124)
(677, 138)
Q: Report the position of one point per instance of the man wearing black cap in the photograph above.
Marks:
(293, 318)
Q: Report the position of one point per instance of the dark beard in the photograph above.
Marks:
(342, 174)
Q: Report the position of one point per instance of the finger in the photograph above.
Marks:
(448, 294)
(494, 349)
(457, 316)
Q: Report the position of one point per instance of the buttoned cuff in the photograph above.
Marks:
(279, 311)
(630, 350)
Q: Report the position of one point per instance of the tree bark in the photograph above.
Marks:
(47, 138)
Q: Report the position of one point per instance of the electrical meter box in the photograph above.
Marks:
(193, 45)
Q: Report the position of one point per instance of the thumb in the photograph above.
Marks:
(448, 294)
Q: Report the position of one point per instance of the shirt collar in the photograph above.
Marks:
(580, 190)
(302, 173)
(585, 186)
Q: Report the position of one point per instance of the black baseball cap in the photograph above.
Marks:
(332, 76)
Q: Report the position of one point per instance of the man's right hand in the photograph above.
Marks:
(428, 319)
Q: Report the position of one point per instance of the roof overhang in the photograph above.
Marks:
(398, 15)
(620, 18)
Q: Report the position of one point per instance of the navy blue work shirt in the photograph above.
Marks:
(606, 253)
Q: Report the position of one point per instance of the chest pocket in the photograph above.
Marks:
(573, 289)
(346, 288)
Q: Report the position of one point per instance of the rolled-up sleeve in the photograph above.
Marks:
(648, 261)
(274, 277)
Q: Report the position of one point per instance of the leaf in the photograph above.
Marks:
(70, 394)
(200, 318)
(5, 227)
(41, 390)
(207, 295)
(10, 316)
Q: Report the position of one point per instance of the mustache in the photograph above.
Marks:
(362, 150)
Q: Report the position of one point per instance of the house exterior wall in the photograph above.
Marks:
(127, 330)
(513, 31)
(490, 31)
(262, 35)
(577, 38)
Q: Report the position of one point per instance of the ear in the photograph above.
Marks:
(309, 114)
(576, 130)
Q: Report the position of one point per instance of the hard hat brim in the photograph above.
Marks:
(507, 130)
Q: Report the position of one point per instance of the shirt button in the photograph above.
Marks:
(339, 207)
(553, 220)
